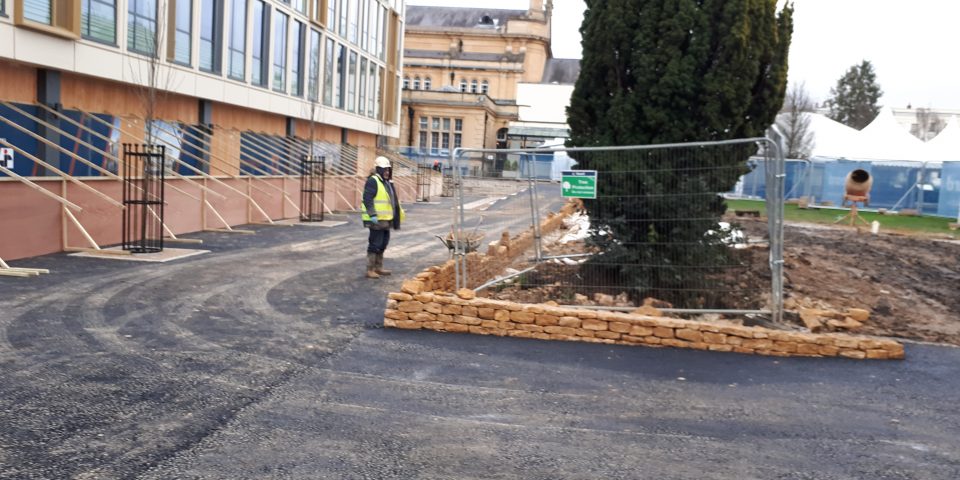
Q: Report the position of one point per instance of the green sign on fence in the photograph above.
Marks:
(578, 183)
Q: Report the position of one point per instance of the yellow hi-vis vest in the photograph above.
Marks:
(381, 204)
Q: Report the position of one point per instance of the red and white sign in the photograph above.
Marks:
(6, 158)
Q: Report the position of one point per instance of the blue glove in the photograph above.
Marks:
(373, 219)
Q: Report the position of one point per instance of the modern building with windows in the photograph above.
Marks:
(225, 84)
(461, 71)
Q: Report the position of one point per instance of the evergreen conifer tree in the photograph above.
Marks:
(853, 101)
(666, 71)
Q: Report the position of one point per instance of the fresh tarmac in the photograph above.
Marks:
(265, 359)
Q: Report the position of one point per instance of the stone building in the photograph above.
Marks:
(461, 72)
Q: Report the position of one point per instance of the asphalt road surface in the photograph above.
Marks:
(264, 359)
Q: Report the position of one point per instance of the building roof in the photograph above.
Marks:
(563, 71)
(457, 17)
(472, 56)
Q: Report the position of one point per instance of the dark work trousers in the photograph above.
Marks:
(378, 241)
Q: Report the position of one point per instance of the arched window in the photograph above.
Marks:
(427, 83)
(484, 87)
(406, 83)
(463, 85)
(473, 86)
(416, 83)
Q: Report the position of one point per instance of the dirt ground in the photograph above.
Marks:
(910, 284)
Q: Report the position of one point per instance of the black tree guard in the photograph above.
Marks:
(312, 182)
(143, 189)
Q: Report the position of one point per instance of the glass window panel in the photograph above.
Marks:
(371, 103)
(328, 73)
(372, 12)
(40, 11)
(209, 41)
(280, 52)
(332, 15)
(458, 124)
(261, 27)
(436, 123)
(238, 38)
(142, 26)
(382, 29)
(296, 59)
(340, 86)
(314, 84)
(183, 28)
(423, 140)
(457, 140)
(98, 20)
(354, 11)
(446, 141)
(434, 141)
(416, 83)
(344, 6)
(362, 105)
(446, 124)
(300, 6)
(352, 83)
(364, 26)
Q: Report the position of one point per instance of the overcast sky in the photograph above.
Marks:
(910, 43)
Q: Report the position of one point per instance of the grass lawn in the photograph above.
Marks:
(829, 216)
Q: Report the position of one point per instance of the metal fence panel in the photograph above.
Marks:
(664, 246)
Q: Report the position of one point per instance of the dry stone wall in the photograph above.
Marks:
(424, 304)
(415, 309)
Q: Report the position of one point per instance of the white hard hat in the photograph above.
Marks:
(383, 162)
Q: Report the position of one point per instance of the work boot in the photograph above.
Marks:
(372, 266)
(380, 268)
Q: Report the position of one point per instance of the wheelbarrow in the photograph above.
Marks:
(470, 242)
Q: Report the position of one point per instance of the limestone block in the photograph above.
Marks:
(743, 332)
(519, 334)
(425, 297)
(388, 322)
(663, 332)
(846, 342)
(715, 338)
(652, 340)
(469, 311)
(412, 287)
(490, 324)
(808, 348)
(534, 309)
(619, 327)
(501, 315)
(871, 344)
(690, 335)
(582, 332)
(858, 314)
(456, 327)
(409, 324)
(410, 307)
(855, 354)
(392, 304)
(640, 331)
(435, 325)
(760, 333)
(522, 317)
(442, 317)
(737, 349)
(395, 315)
(895, 350)
(400, 297)
(631, 339)
(673, 342)
(528, 327)
(433, 307)
(828, 350)
(607, 334)
(878, 354)
(787, 347)
(507, 325)
(423, 317)
(466, 320)
(758, 343)
(466, 294)
(573, 322)
(557, 330)
(733, 340)
(541, 335)
(478, 330)
(544, 319)
(586, 314)
(591, 324)
(452, 309)
(721, 348)
(487, 313)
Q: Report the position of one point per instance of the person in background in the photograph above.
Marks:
(380, 212)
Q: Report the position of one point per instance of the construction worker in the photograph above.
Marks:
(380, 198)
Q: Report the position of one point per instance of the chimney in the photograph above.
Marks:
(536, 6)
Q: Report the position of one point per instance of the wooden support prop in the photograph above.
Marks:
(70, 154)
(170, 236)
(63, 175)
(38, 188)
(8, 271)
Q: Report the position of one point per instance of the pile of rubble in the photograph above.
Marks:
(817, 316)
